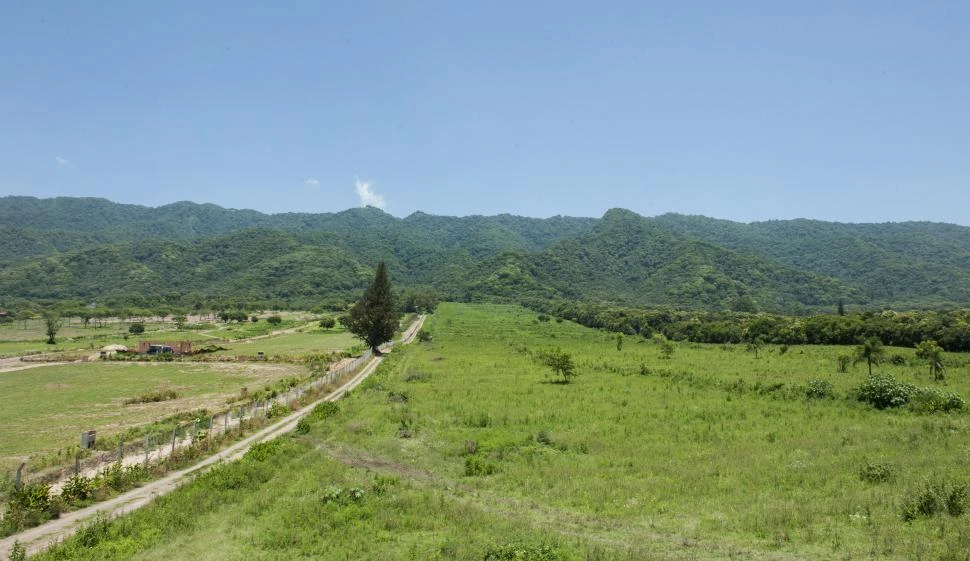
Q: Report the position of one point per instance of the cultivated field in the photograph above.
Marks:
(46, 407)
(465, 447)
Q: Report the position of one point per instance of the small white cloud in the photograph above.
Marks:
(368, 197)
(61, 161)
(311, 182)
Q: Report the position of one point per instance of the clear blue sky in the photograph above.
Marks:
(848, 111)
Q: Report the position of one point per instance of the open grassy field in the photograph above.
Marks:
(46, 408)
(464, 444)
(18, 338)
(309, 341)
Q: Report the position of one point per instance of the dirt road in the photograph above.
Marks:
(39, 538)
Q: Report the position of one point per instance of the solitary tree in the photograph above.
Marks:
(931, 352)
(560, 362)
(755, 345)
(870, 351)
(374, 317)
(327, 322)
(665, 346)
(53, 323)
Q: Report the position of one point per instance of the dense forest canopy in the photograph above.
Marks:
(201, 255)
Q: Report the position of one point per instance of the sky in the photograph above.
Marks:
(844, 111)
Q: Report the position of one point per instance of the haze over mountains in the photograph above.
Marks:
(201, 254)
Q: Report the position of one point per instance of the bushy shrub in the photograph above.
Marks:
(883, 391)
(303, 426)
(522, 552)
(136, 328)
(264, 450)
(877, 472)
(476, 465)
(339, 495)
(933, 400)
(78, 488)
(324, 410)
(277, 410)
(424, 336)
(936, 498)
(819, 389)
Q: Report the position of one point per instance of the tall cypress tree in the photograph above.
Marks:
(374, 317)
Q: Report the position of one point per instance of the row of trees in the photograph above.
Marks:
(949, 329)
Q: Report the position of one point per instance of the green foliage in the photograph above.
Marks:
(328, 322)
(341, 496)
(932, 353)
(303, 426)
(324, 410)
(274, 320)
(664, 345)
(877, 472)
(882, 391)
(819, 389)
(136, 328)
(154, 396)
(201, 254)
(871, 351)
(560, 362)
(935, 498)
(374, 317)
(52, 324)
(476, 465)
(522, 552)
(78, 488)
(843, 360)
(18, 552)
(262, 451)
(424, 336)
(277, 409)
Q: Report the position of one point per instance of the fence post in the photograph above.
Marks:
(173, 438)
(18, 484)
(121, 450)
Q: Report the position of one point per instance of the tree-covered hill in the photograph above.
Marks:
(188, 253)
(632, 260)
(896, 264)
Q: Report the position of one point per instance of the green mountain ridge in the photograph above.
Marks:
(189, 253)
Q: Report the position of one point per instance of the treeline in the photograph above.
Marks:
(950, 329)
(410, 300)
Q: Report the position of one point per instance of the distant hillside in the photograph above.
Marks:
(191, 254)
(909, 264)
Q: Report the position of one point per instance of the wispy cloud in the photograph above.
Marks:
(61, 161)
(311, 182)
(368, 197)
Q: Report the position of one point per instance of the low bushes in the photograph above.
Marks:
(882, 391)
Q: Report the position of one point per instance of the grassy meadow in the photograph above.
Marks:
(466, 447)
(46, 408)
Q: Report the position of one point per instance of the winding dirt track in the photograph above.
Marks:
(37, 539)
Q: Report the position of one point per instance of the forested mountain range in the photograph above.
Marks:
(204, 255)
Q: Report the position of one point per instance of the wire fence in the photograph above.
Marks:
(158, 445)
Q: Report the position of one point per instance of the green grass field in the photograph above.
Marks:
(46, 408)
(310, 341)
(459, 446)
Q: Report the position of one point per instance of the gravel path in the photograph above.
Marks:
(39, 538)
